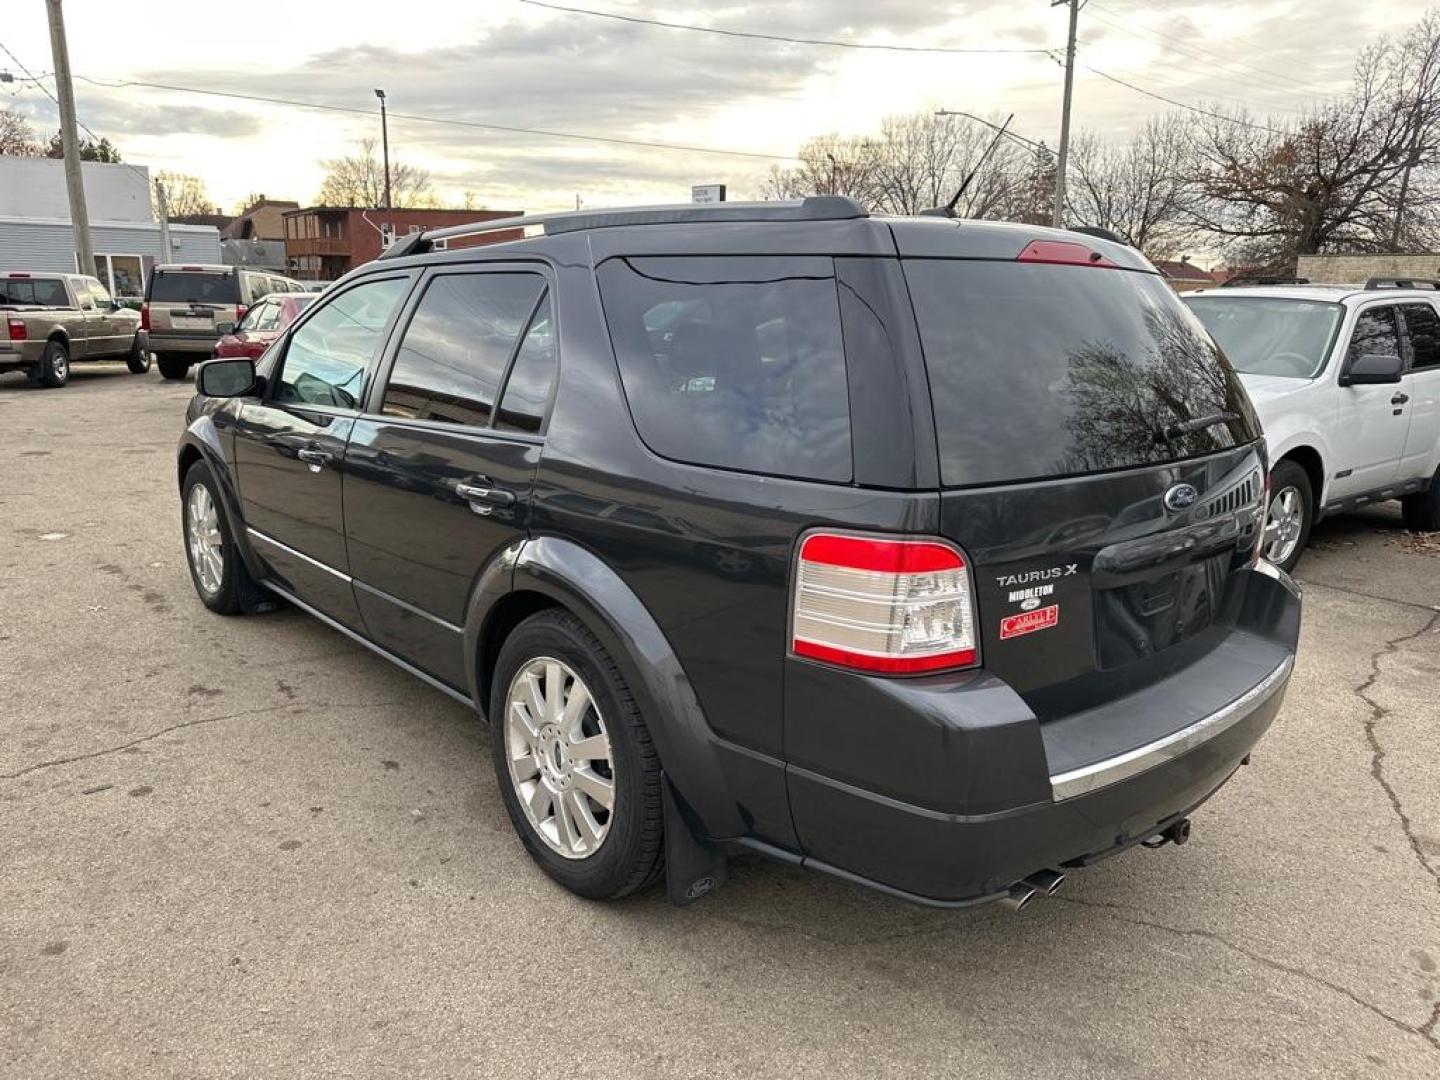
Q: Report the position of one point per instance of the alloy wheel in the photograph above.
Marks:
(1284, 524)
(561, 763)
(202, 530)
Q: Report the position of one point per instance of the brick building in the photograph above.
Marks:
(324, 242)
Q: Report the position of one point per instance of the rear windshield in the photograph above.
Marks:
(1268, 335)
(42, 292)
(204, 288)
(1040, 371)
(736, 363)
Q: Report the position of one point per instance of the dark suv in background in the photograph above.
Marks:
(917, 551)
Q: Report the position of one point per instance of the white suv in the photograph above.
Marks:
(1346, 380)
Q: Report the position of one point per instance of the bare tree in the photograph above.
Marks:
(17, 137)
(1138, 189)
(185, 194)
(359, 180)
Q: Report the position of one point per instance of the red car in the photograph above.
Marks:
(262, 324)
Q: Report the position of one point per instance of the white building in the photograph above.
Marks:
(35, 231)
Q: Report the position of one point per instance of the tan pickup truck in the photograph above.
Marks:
(53, 319)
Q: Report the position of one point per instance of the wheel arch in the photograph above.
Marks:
(59, 334)
(201, 442)
(551, 572)
(1309, 459)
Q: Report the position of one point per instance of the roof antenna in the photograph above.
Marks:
(948, 210)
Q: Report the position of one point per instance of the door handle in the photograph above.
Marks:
(482, 497)
(315, 457)
(1399, 399)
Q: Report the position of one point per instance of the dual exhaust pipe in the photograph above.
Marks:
(1041, 883)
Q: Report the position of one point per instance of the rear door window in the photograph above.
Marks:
(527, 389)
(1422, 328)
(736, 363)
(458, 343)
(1040, 371)
(181, 286)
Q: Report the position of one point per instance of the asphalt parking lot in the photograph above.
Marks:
(246, 847)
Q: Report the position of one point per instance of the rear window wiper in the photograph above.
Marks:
(1189, 427)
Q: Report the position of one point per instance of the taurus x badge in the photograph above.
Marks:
(1181, 497)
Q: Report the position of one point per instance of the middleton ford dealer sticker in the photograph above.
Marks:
(1028, 622)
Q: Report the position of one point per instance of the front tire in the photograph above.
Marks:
(216, 569)
(54, 368)
(174, 368)
(1422, 510)
(139, 360)
(574, 761)
(1289, 516)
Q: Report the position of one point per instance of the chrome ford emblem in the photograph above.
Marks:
(1181, 497)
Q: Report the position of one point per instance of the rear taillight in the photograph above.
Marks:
(240, 310)
(875, 604)
(15, 329)
(145, 316)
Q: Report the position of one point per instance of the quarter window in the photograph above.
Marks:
(1375, 335)
(733, 363)
(455, 349)
(1422, 327)
(327, 357)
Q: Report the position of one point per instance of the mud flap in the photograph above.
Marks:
(692, 867)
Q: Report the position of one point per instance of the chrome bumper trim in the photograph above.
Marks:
(1092, 777)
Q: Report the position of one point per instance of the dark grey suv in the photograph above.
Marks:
(921, 552)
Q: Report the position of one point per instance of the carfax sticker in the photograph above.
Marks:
(1029, 621)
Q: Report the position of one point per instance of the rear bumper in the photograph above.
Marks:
(20, 354)
(1063, 794)
(162, 341)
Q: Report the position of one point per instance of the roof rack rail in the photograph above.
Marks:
(1402, 283)
(1264, 279)
(812, 208)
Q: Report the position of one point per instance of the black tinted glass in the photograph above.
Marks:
(455, 349)
(1040, 371)
(736, 363)
(181, 286)
(44, 292)
(527, 391)
(326, 359)
(1422, 326)
(1375, 334)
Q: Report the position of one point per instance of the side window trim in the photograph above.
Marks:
(387, 336)
(509, 367)
(375, 392)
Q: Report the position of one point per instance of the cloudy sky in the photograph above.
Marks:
(509, 63)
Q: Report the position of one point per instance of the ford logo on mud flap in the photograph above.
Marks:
(1181, 497)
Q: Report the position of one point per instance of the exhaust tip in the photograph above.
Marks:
(1046, 881)
(1020, 894)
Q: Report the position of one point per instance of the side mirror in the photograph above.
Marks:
(231, 377)
(115, 305)
(1373, 370)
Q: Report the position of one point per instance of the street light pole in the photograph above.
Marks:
(385, 144)
(70, 141)
(1065, 112)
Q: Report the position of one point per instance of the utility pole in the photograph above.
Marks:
(1065, 111)
(70, 141)
(167, 250)
(385, 143)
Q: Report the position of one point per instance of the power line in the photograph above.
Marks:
(418, 118)
(754, 36)
(1182, 105)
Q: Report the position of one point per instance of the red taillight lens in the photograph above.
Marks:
(895, 607)
(15, 328)
(144, 316)
(1063, 253)
(240, 310)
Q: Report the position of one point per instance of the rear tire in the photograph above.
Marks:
(54, 368)
(1422, 510)
(631, 852)
(1289, 516)
(174, 368)
(222, 582)
(139, 360)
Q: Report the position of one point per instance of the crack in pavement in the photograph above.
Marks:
(1326, 586)
(1425, 1031)
(287, 706)
(1378, 752)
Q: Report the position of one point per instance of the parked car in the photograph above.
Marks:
(943, 575)
(262, 324)
(53, 319)
(189, 308)
(1346, 379)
